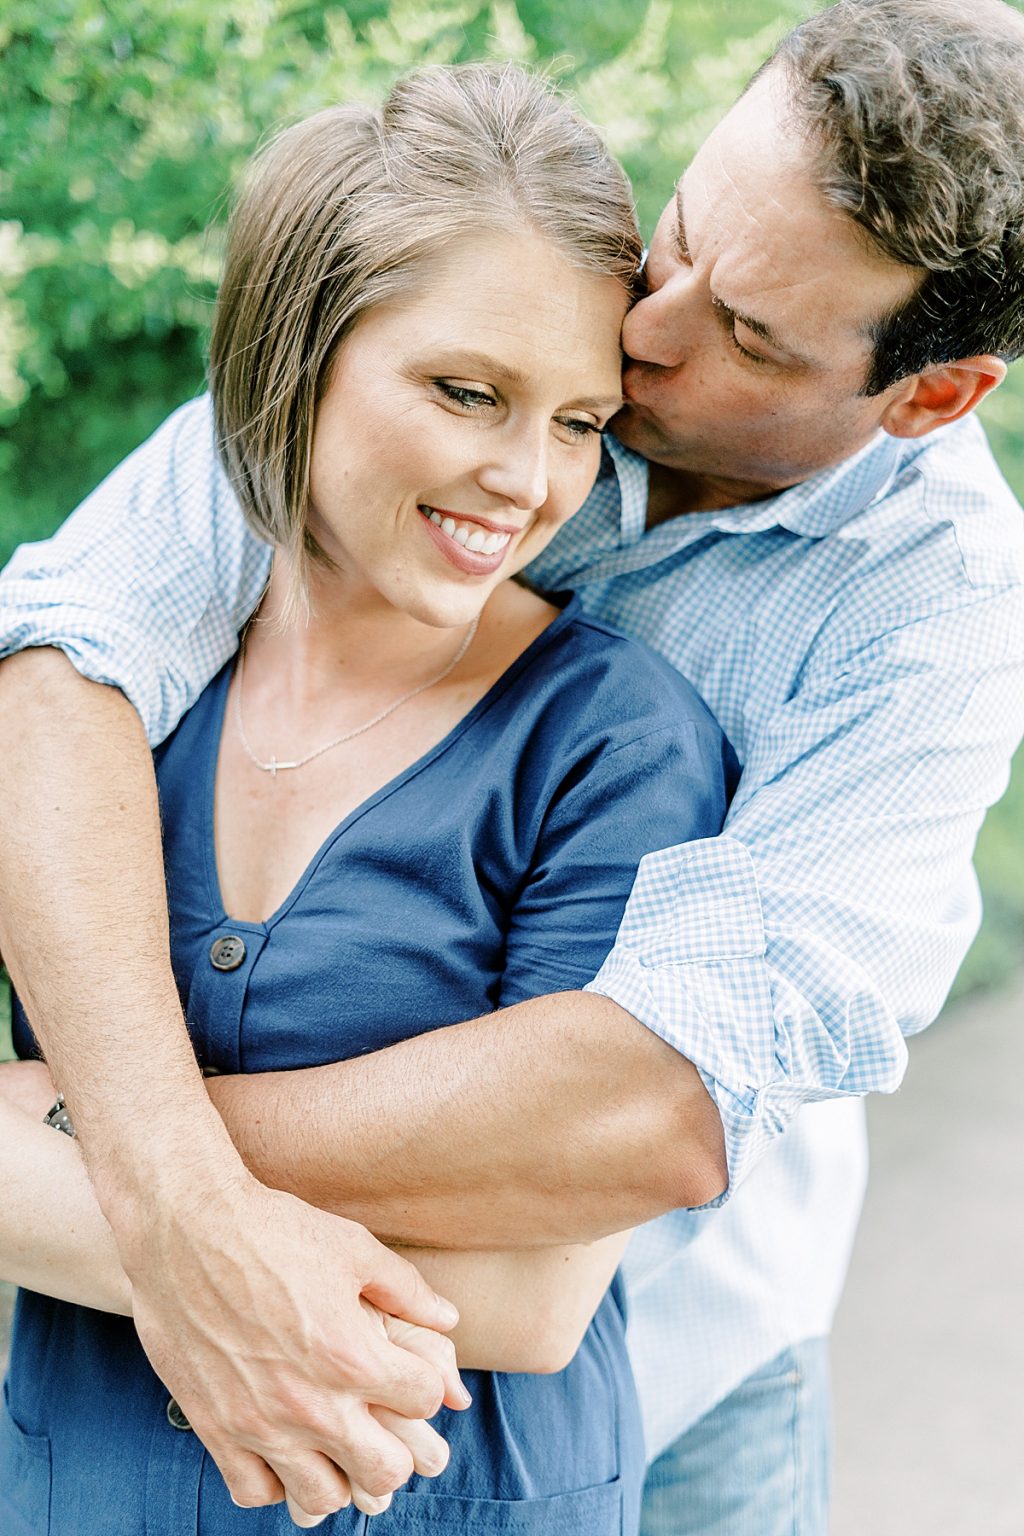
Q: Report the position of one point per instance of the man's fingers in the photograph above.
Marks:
(406, 1383)
(370, 1454)
(428, 1450)
(313, 1485)
(302, 1517)
(250, 1482)
(396, 1286)
(369, 1504)
(299, 1516)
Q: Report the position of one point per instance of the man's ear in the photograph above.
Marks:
(941, 394)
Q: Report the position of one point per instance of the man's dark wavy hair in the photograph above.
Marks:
(915, 111)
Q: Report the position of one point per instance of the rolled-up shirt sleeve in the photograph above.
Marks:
(789, 957)
(147, 584)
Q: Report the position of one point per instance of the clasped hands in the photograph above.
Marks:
(306, 1355)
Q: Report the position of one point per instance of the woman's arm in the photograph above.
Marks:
(522, 1310)
(519, 1311)
(53, 1236)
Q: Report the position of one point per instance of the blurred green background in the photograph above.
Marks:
(124, 124)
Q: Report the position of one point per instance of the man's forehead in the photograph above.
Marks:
(794, 271)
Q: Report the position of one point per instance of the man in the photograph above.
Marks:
(825, 547)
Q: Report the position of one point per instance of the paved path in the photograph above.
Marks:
(929, 1349)
(929, 1345)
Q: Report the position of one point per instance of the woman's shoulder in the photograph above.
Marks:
(614, 672)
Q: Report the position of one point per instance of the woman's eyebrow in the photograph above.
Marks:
(471, 362)
(468, 359)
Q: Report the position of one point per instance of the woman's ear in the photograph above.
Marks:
(941, 394)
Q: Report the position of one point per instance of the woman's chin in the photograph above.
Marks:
(447, 610)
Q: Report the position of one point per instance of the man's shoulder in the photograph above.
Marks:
(948, 508)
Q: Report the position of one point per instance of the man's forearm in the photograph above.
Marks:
(558, 1120)
(83, 927)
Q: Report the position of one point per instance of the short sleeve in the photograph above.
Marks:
(620, 801)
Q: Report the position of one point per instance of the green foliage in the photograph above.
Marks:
(125, 123)
(998, 951)
(6, 1048)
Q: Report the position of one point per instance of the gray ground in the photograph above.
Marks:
(929, 1349)
(929, 1344)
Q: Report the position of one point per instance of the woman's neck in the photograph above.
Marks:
(352, 639)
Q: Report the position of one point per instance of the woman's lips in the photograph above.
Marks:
(475, 562)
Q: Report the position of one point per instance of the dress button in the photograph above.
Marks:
(227, 954)
(175, 1418)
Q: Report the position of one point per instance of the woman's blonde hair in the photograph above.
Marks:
(345, 211)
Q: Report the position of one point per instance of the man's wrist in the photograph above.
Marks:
(160, 1152)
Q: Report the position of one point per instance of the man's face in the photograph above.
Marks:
(746, 360)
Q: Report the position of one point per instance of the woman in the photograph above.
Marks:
(422, 790)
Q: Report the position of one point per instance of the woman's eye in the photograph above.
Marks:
(464, 394)
(580, 429)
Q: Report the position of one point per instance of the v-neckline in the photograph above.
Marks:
(219, 706)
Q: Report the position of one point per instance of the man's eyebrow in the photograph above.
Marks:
(764, 330)
(684, 249)
(759, 327)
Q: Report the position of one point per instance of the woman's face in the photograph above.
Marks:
(460, 428)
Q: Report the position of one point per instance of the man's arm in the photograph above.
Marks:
(558, 1120)
(786, 958)
(84, 933)
(518, 1311)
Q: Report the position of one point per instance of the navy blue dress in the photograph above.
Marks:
(494, 869)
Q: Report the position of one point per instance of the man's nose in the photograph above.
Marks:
(658, 327)
(518, 471)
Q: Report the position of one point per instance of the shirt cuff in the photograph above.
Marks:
(690, 963)
(98, 647)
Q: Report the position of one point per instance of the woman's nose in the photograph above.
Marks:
(519, 471)
(657, 328)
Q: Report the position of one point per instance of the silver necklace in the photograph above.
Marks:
(274, 767)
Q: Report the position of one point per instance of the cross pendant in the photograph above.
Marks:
(273, 767)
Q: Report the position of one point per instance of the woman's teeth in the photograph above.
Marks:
(473, 539)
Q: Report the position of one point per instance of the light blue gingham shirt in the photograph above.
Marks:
(861, 639)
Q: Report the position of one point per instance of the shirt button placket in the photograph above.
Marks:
(217, 993)
(173, 1474)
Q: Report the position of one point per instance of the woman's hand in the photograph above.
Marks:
(28, 1085)
(428, 1451)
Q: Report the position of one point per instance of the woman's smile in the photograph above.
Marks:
(468, 543)
(475, 406)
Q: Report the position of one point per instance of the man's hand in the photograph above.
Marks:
(428, 1451)
(250, 1305)
(389, 1438)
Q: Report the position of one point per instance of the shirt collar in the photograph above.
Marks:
(813, 509)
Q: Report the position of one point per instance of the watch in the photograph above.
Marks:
(59, 1118)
